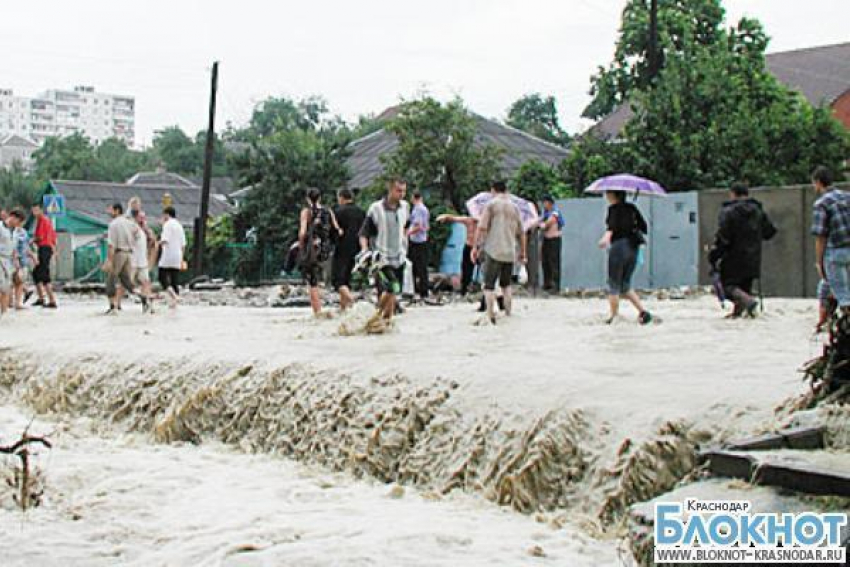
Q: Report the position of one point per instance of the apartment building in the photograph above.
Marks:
(63, 112)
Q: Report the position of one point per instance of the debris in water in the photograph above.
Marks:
(363, 319)
(536, 551)
(26, 481)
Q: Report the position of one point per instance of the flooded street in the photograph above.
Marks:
(120, 500)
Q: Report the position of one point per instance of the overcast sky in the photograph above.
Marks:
(361, 56)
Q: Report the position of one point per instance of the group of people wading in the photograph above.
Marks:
(496, 245)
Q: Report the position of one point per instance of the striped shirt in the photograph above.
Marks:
(831, 218)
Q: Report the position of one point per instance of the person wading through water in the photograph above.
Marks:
(625, 232)
(499, 231)
(384, 232)
(45, 241)
(121, 237)
(316, 234)
(350, 218)
(418, 245)
(742, 226)
(831, 229)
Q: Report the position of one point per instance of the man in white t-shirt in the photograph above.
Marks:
(172, 243)
(139, 257)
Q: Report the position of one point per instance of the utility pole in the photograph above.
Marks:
(654, 55)
(201, 221)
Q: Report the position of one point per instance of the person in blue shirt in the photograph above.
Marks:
(23, 259)
(417, 250)
(551, 223)
(831, 229)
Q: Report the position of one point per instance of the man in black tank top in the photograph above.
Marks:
(350, 219)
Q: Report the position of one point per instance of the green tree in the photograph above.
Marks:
(74, 157)
(366, 124)
(17, 188)
(70, 157)
(116, 162)
(276, 114)
(591, 158)
(538, 115)
(535, 180)
(281, 162)
(437, 151)
(681, 25)
(716, 115)
(177, 152)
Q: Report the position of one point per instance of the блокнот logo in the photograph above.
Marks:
(723, 531)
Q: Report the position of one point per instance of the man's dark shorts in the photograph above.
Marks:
(169, 278)
(41, 273)
(341, 269)
(495, 270)
(390, 280)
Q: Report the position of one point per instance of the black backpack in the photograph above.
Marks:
(318, 243)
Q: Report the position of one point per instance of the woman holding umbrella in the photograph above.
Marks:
(625, 232)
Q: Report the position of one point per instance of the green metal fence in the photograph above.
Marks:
(237, 261)
(87, 261)
(244, 263)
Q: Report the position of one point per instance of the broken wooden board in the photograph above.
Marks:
(818, 473)
(799, 438)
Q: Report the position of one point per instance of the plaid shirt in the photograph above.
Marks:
(831, 218)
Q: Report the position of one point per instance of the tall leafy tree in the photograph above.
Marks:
(538, 116)
(716, 115)
(535, 180)
(591, 158)
(283, 158)
(177, 152)
(276, 114)
(437, 151)
(74, 157)
(116, 162)
(71, 157)
(681, 25)
(17, 188)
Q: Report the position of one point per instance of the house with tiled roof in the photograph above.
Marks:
(821, 74)
(517, 147)
(16, 149)
(161, 177)
(82, 228)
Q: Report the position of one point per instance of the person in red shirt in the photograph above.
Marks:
(45, 241)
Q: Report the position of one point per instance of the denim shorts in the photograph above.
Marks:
(622, 261)
(824, 293)
(837, 266)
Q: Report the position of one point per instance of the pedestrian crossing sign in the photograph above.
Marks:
(54, 205)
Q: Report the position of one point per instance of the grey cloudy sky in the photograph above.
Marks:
(361, 56)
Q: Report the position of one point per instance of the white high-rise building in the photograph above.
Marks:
(63, 112)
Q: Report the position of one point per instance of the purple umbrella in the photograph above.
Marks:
(527, 210)
(628, 184)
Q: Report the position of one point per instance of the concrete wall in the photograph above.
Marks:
(63, 260)
(670, 258)
(788, 260)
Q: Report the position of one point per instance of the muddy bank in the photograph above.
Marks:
(389, 429)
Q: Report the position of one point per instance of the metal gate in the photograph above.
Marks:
(674, 241)
(670, 257)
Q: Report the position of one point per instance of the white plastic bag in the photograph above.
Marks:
(522, 276)
(407, 284)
